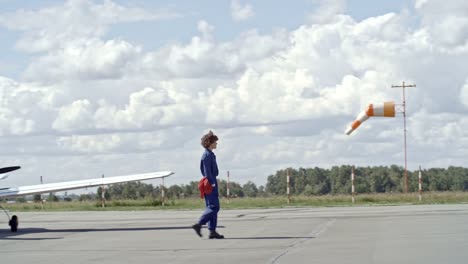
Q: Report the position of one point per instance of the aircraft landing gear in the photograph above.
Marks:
(12, 222)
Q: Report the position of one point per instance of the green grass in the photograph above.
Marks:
(241, 203)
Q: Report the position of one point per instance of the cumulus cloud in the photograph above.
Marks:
(74, 117)
(203, 57)
(240, 12)
(24, 107)
(327, 11)
(276, 99)
(445, 23)
(94, 59)
(68, 39)
(135, 142)
(464, 94)
(146, 109)
(74, 21)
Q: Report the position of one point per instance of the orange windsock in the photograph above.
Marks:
(386, 109)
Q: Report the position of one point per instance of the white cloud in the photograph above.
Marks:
(464, 94)
(94, 59)
(203, 57)
(131, 142)
(327, 11)
(241, 12)
(146, 110)
(68, 39)
(445, 22)
(74, 117)
(24, 107)
(90, 144)
(276, 99)
(74, 21)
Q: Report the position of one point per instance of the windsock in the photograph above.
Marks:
(386, 109)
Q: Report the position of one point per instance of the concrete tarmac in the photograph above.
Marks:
(374, 234)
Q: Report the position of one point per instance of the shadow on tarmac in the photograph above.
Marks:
(7, 234)
(273, 237)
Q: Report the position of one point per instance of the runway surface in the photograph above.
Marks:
(375, 234)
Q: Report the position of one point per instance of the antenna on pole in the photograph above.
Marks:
(403, 110)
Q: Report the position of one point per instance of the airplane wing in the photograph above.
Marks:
(70, 185)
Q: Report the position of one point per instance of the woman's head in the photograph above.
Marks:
(209, 140)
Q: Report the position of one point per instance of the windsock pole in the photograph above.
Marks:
(404, 128)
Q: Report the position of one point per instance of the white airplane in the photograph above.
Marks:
(69, 185)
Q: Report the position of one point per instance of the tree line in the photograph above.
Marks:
(309, 181)
(377, 179)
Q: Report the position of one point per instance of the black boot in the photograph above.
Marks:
(215, 235)
(197, 228)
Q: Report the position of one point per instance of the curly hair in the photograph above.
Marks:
(208, 139)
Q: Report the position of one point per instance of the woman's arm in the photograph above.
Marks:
(208, 169)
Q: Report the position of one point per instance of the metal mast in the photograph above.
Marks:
(403, 86)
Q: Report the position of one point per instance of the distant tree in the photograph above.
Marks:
(191, 189)
(174, 191)
(37, 198)
(130, 190)
(305, 181)
(458, 178)
(437, 179)
(276, 184)
(261, 191)
(20, 199)
(87, 197)
(235, 189)
(52, 198)
(250, 189)
(308, 190)
(340, 179)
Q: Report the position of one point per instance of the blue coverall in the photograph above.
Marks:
(209, 169)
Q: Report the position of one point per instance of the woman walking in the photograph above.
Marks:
(209, 170)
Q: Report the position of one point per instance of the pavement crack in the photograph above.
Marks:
(314, 234)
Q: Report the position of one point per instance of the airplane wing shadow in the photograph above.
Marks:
(6, 234)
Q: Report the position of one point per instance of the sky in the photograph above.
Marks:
(119, 87)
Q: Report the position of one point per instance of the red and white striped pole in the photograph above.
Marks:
(352, 184)
(42, 200)
(420, 184)
(287, 188)
(227, 187)
(163, 198)
(103, 195)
